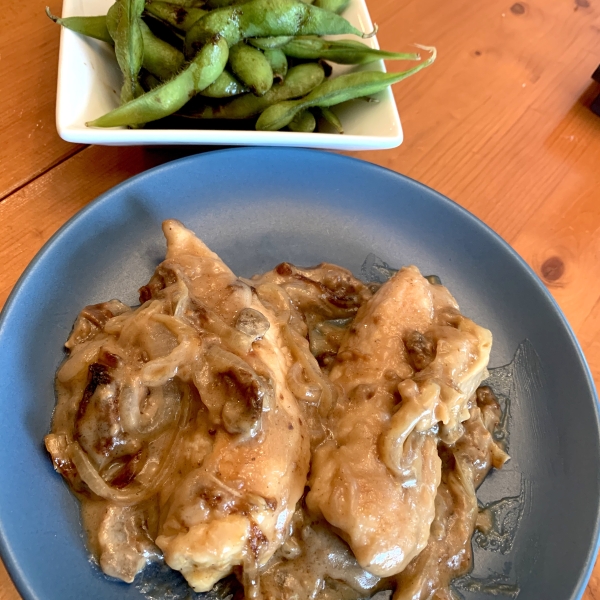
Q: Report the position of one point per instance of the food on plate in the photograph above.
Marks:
(171, 52)
(306, 433)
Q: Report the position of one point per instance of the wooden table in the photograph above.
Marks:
(500, 124)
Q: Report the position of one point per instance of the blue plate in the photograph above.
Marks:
(258, 207)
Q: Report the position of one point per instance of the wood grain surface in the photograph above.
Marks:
(500, 124)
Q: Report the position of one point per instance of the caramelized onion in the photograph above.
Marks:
(130, 495)
(233, 392)
(160, 410)
(79, 361)
(136, 491)
(415, 413)
(499, 456)
(312, 379)
(148, 481)
(302, 389)
(310, 367)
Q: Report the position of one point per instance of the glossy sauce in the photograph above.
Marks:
(185, 427)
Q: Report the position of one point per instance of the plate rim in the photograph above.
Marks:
(12, 567)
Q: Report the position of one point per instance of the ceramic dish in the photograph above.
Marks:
(89, 81)
(255, 215)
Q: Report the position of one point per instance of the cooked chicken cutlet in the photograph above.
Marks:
(234, 509)
(186, 425)
(409, 362)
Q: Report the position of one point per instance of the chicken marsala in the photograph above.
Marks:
(191, 426)
(383, 451)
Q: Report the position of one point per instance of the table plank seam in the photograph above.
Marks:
(42, 172)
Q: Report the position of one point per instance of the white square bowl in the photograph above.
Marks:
(89, 81)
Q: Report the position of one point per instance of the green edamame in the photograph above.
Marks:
(180, 17)
(149, 81)
(278, 61)
(123, 23)
(256, 37)
(112, 20)
(225, 86)
(303, 122)
(336, 6)
(266, 18)
(335, 91)
(251, 67)
(332, 119)
(271, 42)
(94, 27)
(345, 52)
(171, 96)
(300, 81)
(160, 58)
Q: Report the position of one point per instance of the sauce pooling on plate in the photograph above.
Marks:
(315, 436)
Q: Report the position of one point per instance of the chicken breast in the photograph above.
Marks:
(407, 350)
(235, 507)
(186, 425)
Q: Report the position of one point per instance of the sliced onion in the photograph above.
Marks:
(313, 376)
(402, 424)
(277, 300)
(130, 400)
(300, 387)
(183, 299)
(133, 419)
(147, 481)
(239, 413)
(159, 463)
(275, 297)
(136, 322)
(132, 494)
(158, 371)
(81, 358)
(499, 456)
(185, 321)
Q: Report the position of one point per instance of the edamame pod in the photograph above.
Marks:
(129, 45)
(180, 17)
(332, 119)
(225, 86)
(112, 19)
(94, 27)
(335, 91)
(171, 96)
(271, 42)
(278, 61)
(303, 122)
(149, 81)
(251, 67)
(160, 58)
(266, 18)
(345, 52)
(299, 81)
(336, 6)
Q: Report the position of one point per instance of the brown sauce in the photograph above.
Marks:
(132, 433)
